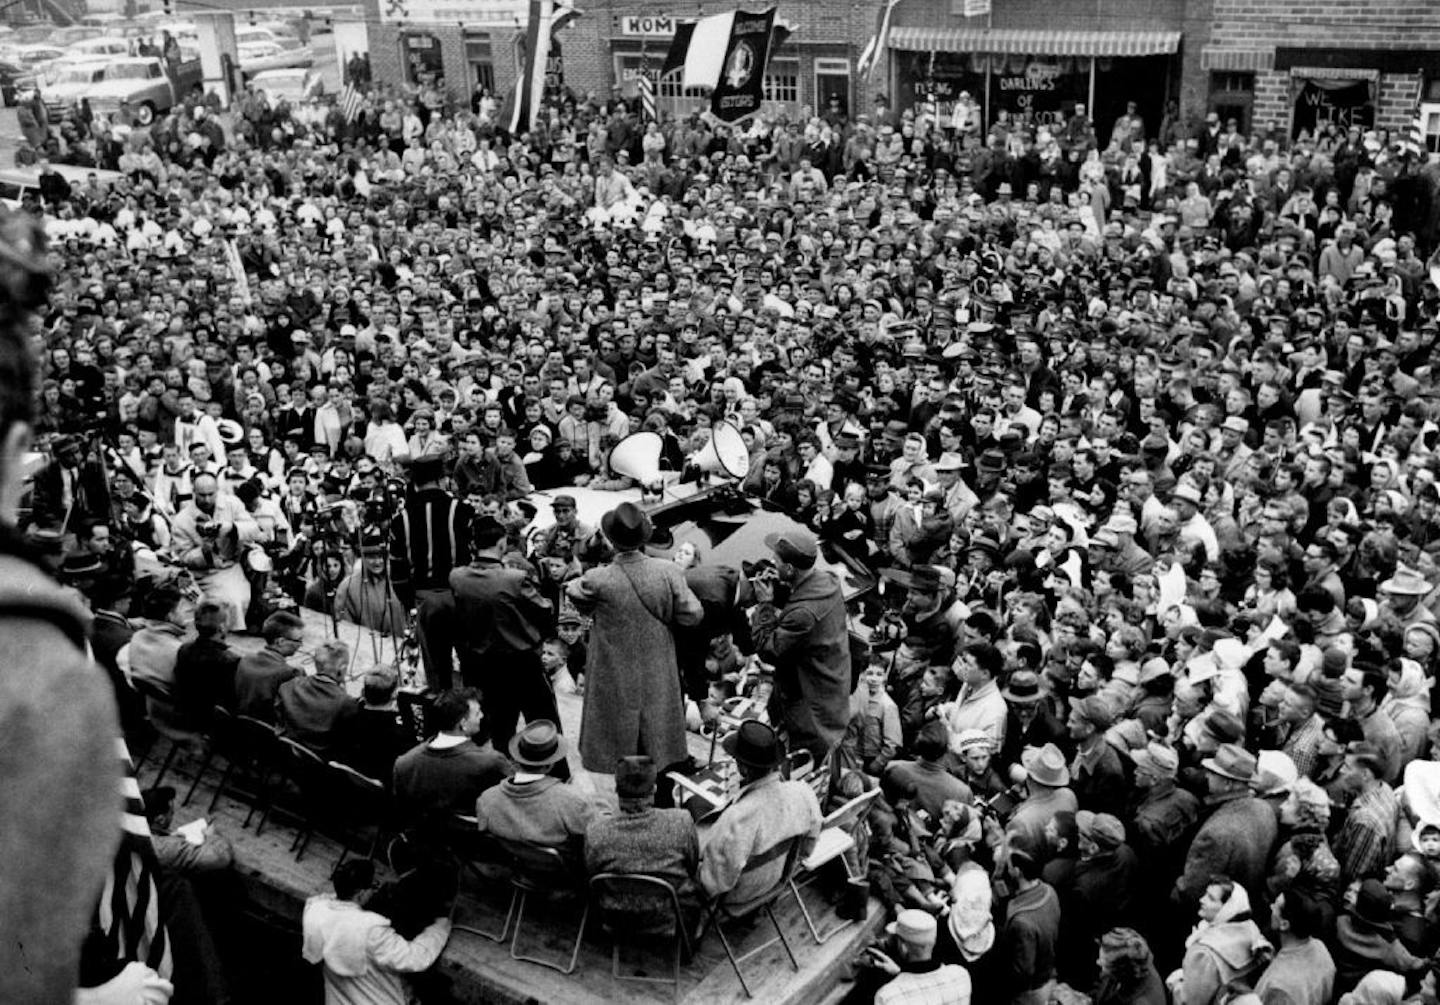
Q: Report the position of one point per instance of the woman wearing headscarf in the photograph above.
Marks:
(1408, 705)
(1225, 945)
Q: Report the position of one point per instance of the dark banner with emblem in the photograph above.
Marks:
(742, 78)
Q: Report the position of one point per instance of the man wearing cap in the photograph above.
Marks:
(1237, 836)
(642, 839)
(71, 489)
(1096, 774)
(913, 974)
(1187, 502)
(959, 498)
(633, 699)
(1161, 821)
(429, 538)
(1102, 894)
(766, 813)
(365, 597)
(1047, 784)
(807, 642)
(501, 620)
(535, 804)
(1366, 842)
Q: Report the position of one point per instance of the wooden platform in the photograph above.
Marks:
(478, 970)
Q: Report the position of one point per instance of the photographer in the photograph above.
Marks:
(208, 533)
(908, 971)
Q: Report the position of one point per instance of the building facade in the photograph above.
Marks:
(1282, 66)
(1293, 67)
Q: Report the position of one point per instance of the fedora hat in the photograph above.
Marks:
(1231, 761)
(1046, 765)
(1157, 758)
(1023, 689)
(950, 461)
(627, 527)
(754, 744)
(538, 745)
(1406, 582)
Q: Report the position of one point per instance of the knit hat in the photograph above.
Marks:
(1106, 831)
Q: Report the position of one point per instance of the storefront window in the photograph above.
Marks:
(479, 58)
(782, 81)
(1039, 91)
(423, 60)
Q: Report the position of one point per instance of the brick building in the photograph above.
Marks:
(1286, 64)
(604, 51)
(1282, 65)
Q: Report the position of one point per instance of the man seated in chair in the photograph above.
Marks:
(448, 773)
(317, 710)
(645, 840)
(766, 813)
(534, 805)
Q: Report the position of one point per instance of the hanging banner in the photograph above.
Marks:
(741, 88)
(1343, 103)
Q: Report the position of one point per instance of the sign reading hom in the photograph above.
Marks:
(647, 26)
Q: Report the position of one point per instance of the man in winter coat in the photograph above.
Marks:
(808, 644)
(633, 703)
(1236, 838)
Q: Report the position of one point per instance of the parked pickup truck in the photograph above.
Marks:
(138, 89)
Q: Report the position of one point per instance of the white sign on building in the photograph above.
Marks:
(470, 13)
(647, 26)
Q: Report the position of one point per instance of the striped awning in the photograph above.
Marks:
(1035, 42)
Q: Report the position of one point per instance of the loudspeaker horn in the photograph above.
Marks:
(725, 454)
(638, 457)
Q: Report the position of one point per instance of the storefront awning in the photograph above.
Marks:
(1035, 42)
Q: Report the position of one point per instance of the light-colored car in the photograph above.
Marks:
(257, 57)
(66, 83)
(295, 85)
(106, 46)
(35, 56)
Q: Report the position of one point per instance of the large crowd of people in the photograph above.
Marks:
(1135, 436)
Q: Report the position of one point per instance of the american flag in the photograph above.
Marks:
(646, 84)
(350, 102)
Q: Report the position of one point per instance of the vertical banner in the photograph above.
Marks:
(741, 88)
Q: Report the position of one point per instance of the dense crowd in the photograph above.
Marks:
(1135, 436)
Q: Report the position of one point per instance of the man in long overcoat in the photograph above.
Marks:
(808, 642)
(633, 703)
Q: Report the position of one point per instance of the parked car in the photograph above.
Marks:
(295, 85)
(106, 46)
(257, 57)
(65, 83)
(138, 89)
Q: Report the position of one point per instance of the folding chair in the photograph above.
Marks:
(310, 772)
(165, 718)
(480, 855)
(645, 900)
(543, 869)
(787, 851)
(365, 804)
(837, 838)
(261, 742)
(227, 742)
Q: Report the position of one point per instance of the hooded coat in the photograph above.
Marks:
(1232, 946)
(1408, 706)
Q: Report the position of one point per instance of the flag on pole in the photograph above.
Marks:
(1413, 139)
(646, 85)
(679, 48)
(546, 17)
(869, 59)
(740, 89)
(350, 102)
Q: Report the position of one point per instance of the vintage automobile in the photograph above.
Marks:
(139, 88)
(295, 85)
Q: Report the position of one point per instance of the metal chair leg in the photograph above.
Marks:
(575, 952)
(199, 774)
(504, 930)
(815, 933)
(165, 764)
(770, 912)
(220, 789)
(730, 953)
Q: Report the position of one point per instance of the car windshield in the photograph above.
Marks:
(132, 71)
(38, 56)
